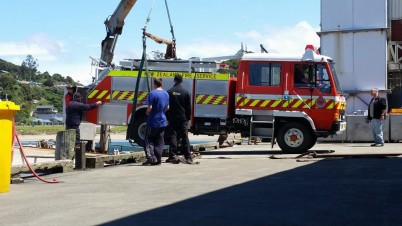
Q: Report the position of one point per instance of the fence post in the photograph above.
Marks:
(65, 144)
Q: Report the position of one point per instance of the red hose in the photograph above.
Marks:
(12, 141)
(29, 166)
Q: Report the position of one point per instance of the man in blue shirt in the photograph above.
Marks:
(158, 103)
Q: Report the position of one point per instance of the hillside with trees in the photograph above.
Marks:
(28, 87)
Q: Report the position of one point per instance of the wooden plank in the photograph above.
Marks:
(59, 166)
(204, 146)
(99, 160)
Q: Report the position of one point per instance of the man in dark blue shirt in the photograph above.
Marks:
(178, 116)
(158, 103)
(74, 112)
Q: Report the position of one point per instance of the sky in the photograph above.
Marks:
(62, 35)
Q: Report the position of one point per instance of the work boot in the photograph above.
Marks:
(156, 163)
(189, 160)
(170, 160)
(147, 163)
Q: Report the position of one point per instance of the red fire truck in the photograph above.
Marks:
(292, 100)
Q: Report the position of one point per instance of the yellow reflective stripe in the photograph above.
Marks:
(218, 99)
(255, 102)
(211, 76)
(208, 99)
(93, 93)
(309, 105)
(124, 73)
(276, 103)
(142, 96)
(131, 97)
(286, 103)
(103, 93)
(114, 94)
(171, 74)
(159, 74)
(265, 103)
(244, 102)
(199, 97)
(297, 104)
(238, 99)
(121, 97)
(331, 106)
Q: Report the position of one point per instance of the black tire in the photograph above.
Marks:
(295, 138)
(139, 128)
(313, 141)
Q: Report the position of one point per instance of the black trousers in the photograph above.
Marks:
(154, 143)
(179, 132)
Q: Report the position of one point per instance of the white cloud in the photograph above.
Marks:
(291, 40)
(40, 46)
(53, 55)
(288, 40)
(207, 49)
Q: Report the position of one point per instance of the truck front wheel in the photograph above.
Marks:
(295, 137)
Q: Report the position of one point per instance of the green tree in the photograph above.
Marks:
(57, 77)
(233, 66)
(32, 64)
(7, 84)
(157, 55)
(70, 80)
(49, 83)
(42, 77)
(26, 95)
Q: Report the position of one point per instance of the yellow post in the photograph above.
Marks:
(7, 111)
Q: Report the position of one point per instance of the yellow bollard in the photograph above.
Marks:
(7, 111)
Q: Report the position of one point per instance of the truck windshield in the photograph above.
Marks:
(337, 84)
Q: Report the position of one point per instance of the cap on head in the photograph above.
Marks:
(178, 78)
(77, 96)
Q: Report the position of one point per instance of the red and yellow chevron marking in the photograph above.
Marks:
(116, 95)
(211, 99)
(99, 95)
(243, 102)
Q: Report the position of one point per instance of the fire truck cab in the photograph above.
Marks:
(289, 99)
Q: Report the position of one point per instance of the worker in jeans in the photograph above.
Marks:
(158, 103)
(178, 117)
(376, 115)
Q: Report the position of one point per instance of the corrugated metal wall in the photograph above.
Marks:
(353, 33)
(395, 9)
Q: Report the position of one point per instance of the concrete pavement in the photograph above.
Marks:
(239, 185)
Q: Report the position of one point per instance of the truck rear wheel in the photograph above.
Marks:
(139, 128)
(295, 138)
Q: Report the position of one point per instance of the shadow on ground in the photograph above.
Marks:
(327, 192)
